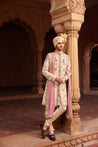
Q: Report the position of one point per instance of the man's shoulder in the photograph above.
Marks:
(67, 56)
(51, 53)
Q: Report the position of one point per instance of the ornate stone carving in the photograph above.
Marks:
(75, 107)
(73, 34)
(74, 25)
(59, 28)
(66, 11)
(76, 141)
(76, 94)
(77, 6)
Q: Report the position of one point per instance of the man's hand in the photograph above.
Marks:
(60, 80)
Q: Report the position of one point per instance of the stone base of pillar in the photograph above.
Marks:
(70, 127)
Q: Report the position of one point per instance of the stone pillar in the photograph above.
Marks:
(67, 17)
(39, 68)
(72, 50)
(86, 81)
(34, 90)
(33, 44)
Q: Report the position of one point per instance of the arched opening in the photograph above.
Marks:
(16, 58)
(90, 80)
(94, 68)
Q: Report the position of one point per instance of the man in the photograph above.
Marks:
(56, 69)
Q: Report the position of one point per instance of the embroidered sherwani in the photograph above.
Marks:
(62, 66)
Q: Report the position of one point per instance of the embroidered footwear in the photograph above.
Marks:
(52, 137)
(51, 133)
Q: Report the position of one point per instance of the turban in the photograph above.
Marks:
(61, 38)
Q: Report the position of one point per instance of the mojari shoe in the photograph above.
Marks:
(52, 137)
(51, 133)
(42, 130)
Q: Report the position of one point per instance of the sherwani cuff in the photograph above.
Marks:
(66, 77)
(53, 79)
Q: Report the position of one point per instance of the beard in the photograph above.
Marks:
(59, 49)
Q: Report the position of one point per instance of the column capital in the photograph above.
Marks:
(59, 28)
(73, 34)
(73, 24)
(75, 6)
(67, 15)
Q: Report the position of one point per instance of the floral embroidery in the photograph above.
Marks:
(62, 66)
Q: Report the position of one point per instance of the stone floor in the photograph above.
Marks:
(19, 120)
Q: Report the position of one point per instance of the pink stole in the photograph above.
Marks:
(69, 103)
(51, 93)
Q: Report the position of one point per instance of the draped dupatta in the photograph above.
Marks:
(69, 103)
(51, 92)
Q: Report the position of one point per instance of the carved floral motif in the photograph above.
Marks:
(76, 141)
(77, 6)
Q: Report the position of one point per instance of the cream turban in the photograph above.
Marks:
(61, 38)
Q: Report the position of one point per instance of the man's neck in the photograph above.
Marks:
(58, 51)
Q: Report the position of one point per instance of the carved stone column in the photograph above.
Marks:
(67, 17)
(72, 50)
(34, 90)
(39, 68)
(86, 87)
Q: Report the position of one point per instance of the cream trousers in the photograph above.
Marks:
(48, 123)
(60, 110)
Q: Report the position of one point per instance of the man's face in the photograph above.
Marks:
(60, 46)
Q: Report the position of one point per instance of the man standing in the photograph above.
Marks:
(56, 69)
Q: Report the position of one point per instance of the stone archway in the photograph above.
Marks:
(12, 81)
(28, 22)
(35, 15)
(94, 68)
(33, 39)
(86, 70)
(48, 47)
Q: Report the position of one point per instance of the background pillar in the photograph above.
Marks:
(39, 68)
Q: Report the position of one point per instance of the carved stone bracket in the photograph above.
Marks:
(59, 28)
(69, 11)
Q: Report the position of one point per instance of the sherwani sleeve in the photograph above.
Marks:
(45, 70)
(68, 69)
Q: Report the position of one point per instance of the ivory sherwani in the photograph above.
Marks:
(61, 68)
